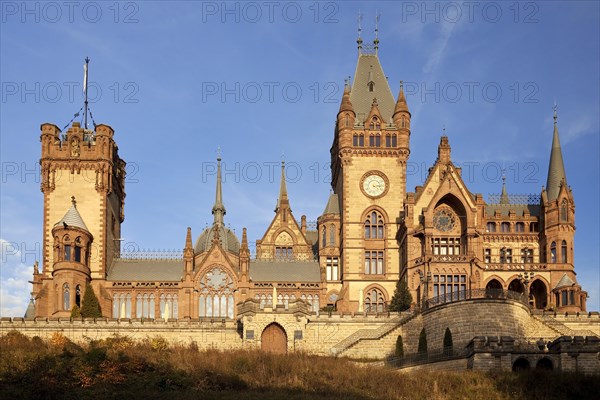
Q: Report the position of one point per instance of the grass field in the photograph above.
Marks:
(119, 368)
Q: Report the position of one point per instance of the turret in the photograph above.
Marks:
(401, 119)
(444, 150)
(283, 203)
(71, 269)
(346, 115)
(188, 252)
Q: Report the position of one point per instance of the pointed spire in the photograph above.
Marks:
(244, 239)
(30, 312)
(556, 167)
(504, 195)
(72, 217)
(376, 41)
(218, 209)
(401, 102)
(359, 40)
(188, 238)
(346, 104)
(282, 201)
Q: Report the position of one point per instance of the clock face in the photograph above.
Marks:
(374, 185)
(444, 220)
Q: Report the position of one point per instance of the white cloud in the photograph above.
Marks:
(14, 277)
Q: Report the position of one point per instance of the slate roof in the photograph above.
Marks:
(556, 167)
(564, 281)
(368, 68)
(229, 241)
(285, 271)
(72, 218)
(146, 270)
(534, 209)
(30, 312)
(333, 205)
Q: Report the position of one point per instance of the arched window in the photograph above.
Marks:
(67, 248)
(553, 252)
(346, 120)
(78, 295)
(533, 227)
(144, 307)
(491, 227)
(66, 297)
(216, 295)
(374, 226)
(564, 214)
(391, 140)
(520, 227)
(374, 301)
(324, 237)
(169, 306)
(563, 252)
(375, 140)
(358, 140)
(505, 227)
(122, 305)
(332, 235)
(371, 85)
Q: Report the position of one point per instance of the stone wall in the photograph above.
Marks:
(357, 336)
(470, 318)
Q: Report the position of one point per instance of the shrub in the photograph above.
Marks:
(159, 343)
(90, 307)
(75, 312)
(402, 298)
(422, 342)
(448, 341)
(399, 347)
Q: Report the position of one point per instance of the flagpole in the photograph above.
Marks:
(85, 84)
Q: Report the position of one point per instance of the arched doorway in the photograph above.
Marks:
(544, 364)
(540, 297)
(493, 288)
(516, 286)
(274, 339)
(521, 364)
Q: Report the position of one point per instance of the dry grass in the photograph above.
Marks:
(121, 368)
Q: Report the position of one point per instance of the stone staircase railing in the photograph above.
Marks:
(369, 334)
(561, 328)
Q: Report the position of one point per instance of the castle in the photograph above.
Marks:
(505, 266)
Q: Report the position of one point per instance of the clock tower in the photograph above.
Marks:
(368, 161)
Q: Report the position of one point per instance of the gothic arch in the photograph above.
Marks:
(494, 277)
(452, 200)
(372, 208)
(274, 339)
(375, 298)
(287, 230)
(215, 287)
(515, 285)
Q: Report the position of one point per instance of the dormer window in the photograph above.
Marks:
(375, 124)
(371, 86)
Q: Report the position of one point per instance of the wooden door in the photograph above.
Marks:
(274, 339)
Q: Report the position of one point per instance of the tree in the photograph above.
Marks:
(75, 312)
(402, 298)
(90, 307)
(448, 342)
(422, 342)
(399, 347)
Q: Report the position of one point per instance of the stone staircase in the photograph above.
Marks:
(369, 334)
(561, 328)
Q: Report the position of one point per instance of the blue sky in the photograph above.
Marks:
(176, 80)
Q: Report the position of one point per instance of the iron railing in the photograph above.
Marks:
(475, 294)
